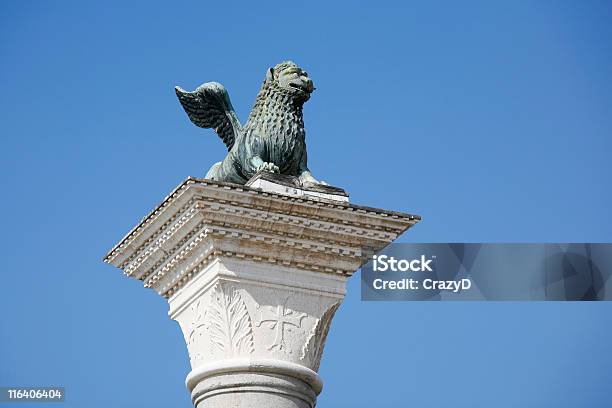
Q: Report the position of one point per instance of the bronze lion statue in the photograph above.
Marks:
(273, 139)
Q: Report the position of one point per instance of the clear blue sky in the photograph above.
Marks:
(491, 120)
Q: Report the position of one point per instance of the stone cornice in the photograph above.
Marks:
(173, 197)
(203, 219)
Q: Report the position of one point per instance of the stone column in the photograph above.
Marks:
(254, 275)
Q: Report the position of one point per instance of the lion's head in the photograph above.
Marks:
(292, 79)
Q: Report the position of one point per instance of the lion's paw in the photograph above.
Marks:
(270, 167)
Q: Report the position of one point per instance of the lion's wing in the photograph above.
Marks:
(209, 106)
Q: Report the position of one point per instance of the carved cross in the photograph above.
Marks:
(280, 317)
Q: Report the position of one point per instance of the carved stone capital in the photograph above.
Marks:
(254, 278)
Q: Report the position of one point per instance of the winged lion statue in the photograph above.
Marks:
(273, 139)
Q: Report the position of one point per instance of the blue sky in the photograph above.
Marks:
(491, 120)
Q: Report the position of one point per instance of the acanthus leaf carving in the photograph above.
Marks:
(229, 323)
(313, 349)
(198, 315)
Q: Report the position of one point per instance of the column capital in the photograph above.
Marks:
(254, 275)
